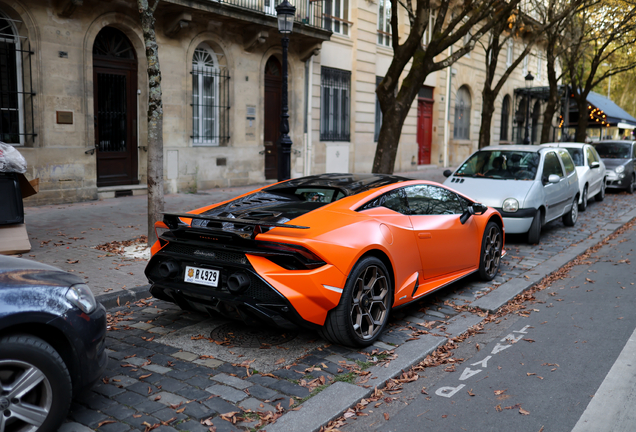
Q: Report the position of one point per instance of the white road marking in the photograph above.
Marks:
(448, 391)
(612, 408)
(512, 338)
(523, 330)
(468, 372)
(483, 363)
(499, 348)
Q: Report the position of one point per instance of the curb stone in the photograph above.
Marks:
(109, 300)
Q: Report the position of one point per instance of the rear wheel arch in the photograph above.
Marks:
(382, 256)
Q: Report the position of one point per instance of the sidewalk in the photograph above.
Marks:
(66, 235)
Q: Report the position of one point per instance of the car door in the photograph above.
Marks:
(571, 180)
(445, 244)
(595, 175)
(555, 193)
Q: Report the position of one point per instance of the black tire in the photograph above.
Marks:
(534, 234)
(490, 256)
(583, 205)
(355, 305)
(570, 218)
(600, 196)
(22, 356)
(632, 185)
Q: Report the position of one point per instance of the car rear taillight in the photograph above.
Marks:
(291, 256)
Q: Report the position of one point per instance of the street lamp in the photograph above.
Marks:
(529, 79)
(285, 13)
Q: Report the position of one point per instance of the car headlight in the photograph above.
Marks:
(82, 297)
(619, 169)
(510, 205)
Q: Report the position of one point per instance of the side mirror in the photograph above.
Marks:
(467, 214)
(553, 178)
(594, 165)
(479, 208)
(447, 173)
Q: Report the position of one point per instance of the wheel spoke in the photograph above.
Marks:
(29, 413)
(374, 276)
(27, 381)
(2, 422)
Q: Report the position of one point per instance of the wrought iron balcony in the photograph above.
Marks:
(308, 12)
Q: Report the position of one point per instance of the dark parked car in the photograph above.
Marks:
(52, 335)
(619, 158)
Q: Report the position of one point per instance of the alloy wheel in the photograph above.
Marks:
(25, 397)
(369, 302)
(492, 251)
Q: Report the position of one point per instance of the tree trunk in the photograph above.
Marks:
(488, 109)
(155, 120)
(388, 140)
(581, 126)
(548, 114)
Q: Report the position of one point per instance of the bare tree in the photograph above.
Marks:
(463, 22)
(597, 35)
(155, 118)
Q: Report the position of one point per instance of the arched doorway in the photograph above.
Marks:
(273, 90)
(115, 99)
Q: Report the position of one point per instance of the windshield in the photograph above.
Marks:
(506, 165)
(577, 155)
(613, 150)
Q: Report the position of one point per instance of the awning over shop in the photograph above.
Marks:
(616, 116)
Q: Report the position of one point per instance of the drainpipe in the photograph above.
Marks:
(309, 65)
(449, 73)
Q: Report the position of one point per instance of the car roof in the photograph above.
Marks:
(565, 144)
(514, 147)
(349, 184)
(615, 142)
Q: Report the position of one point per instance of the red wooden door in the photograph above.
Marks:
(424, 130)
(273, 93)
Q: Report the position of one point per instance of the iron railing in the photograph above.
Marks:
(308, 12)
(17, 123)
(210, 106)
(335, 102)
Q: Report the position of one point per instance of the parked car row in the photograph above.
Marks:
(533, 185)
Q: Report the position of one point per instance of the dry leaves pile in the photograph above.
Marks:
(117, 247)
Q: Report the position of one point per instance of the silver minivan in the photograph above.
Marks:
(529, 185)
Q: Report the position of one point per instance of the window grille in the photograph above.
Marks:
(16, 86)
(336, 94)
(461, 126)
(505, 116)
(378, 111)
(336, 15)
(210, 99)
(384, 22)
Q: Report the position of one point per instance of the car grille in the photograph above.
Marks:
(219, 255)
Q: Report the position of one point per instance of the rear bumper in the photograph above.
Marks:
(285, 298)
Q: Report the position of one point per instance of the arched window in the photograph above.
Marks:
(505, 118)
(11, 101)
(461, 128)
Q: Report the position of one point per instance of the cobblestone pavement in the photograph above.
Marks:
(176, 370)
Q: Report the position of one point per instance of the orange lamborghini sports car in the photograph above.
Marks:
(334, 252)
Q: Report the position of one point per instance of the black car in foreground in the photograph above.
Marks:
(619, 158)
(52, 334)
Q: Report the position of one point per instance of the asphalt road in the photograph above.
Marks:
(536, 373)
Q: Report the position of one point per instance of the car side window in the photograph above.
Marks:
(394, 200)
(590, 156)
(567, 161)
(432, 200)
(634, 151)
(551, 166)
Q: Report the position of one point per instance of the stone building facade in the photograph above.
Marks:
(75, 88)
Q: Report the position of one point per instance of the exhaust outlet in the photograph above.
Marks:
(238, 282)
(169, 269)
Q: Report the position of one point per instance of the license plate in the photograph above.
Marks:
(202, 276)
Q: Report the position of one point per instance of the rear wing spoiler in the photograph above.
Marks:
(172, 220)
